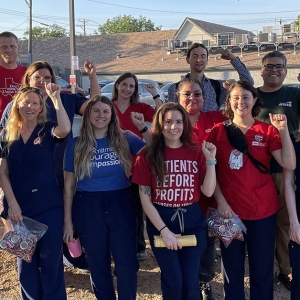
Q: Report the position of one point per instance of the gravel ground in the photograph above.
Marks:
(78, 284)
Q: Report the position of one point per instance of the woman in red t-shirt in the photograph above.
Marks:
(170, 174)
(249, 193)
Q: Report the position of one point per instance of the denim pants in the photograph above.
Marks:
(179, 269)
(105, 223)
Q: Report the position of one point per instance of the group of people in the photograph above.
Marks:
(98, 184)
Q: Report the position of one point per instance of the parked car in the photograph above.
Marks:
(66, 87)
(145, 81)
(165, 89)
(102, 83)
(145, 96)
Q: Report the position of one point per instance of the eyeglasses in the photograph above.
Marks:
(44, 79)
(278, 67)
(31, 89)
(196, 95)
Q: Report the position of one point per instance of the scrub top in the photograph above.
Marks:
(32, 171)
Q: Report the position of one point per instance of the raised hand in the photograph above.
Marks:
(227, 55)
(52, 89)
(228, 83)
(151, 89)
(279, 121)
(89, 68)
(209, 150)
(138, 120)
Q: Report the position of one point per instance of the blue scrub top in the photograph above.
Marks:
(32, 172)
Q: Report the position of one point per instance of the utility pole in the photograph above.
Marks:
(72, 43)
(84, 21)
(29, 4)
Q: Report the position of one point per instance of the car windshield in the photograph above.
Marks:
(62, 83)
(108, 88)
(166, 87)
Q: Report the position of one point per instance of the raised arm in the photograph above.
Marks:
(90, 69)
(152, 90)
(63, 123)
(289, 194)
(139, 121)
(286, 156)
(209, 183)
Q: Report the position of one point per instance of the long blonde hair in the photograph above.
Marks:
(14, 125)
(86, 142)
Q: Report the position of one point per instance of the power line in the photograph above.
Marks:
(193, 13)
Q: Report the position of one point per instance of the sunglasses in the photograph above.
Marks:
(31, 89)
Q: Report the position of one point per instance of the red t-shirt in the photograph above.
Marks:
(186, 171)
(10, 82)
(205, 123)
(251, 194)
(125, 118)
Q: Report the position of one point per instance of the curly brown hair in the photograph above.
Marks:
(227, 111)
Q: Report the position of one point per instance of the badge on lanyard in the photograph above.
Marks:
(235, 160)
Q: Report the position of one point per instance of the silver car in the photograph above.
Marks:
(145, 96)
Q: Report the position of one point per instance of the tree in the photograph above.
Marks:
(51, 31)
(297, 23)
(126, 23)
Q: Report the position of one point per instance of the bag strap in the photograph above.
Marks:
(238, 141)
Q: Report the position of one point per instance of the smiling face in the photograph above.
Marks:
(273, 78)
(197, 60)
(9, 50)
(126, 88)
(100, 117)
(172, 128)
(241, 102)
(190, 97)
(30, 106)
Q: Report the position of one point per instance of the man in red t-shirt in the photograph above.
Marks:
(10, 72)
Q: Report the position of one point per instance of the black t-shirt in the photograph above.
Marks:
(284, 101)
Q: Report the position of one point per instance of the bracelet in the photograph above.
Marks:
(144, 129)
(211, 162)
(163, 228)
(155, 97)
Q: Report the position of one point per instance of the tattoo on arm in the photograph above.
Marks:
(146, 190)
